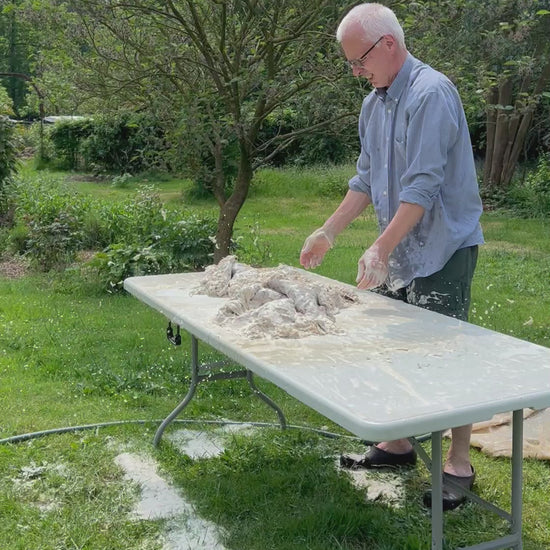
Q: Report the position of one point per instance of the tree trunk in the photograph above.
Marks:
(232, 206)
(507, 130)
(501, 138)
(491, 128)
(501, 133)
(40, 95)
(510, 166)
(524, 126)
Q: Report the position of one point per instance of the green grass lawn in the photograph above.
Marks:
(72, 355)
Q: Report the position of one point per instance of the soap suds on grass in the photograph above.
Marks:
(159, 500)
(277, 302)
(208, 444)
(186, 530)
(384, 486)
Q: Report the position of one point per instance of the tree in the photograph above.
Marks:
(18, 52)
(12, 57)
(498, 54)
(8, 163)
(234, 63)
(514, 97)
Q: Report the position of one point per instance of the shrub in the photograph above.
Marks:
(121, 142)
(190, 240)
(334, 185)
(179, 245)
(138, 236)
(54, 244)
(17, 238)
(67, 138)
(532, 197)
(48, 223)
(122, 181)
(8, 162)
(124, 142)
(4, 240)
(95, 230)
(120, 261)
(253, 250)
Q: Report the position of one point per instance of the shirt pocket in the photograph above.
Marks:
(399, 147)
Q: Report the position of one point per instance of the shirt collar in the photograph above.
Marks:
(381, 93)
(398, 85)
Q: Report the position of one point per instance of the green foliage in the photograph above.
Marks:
(169, 244)
(479, 45)
(531, 198)
(54, 243)
(122, 181)
(123, 142)
(8, 164)
(4, 240)
(16, 54)
(67, 138)
(331, 143)
(120, 261)
(139, 235)
(120, 142)
(189, 240)
(48, 222)
(253, 250)
(334, 184)
(192, 150)
(6, 104)
(8, 150)
(17, 238)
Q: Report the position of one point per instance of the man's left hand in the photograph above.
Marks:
(372, 268)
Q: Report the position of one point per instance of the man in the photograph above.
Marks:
(416, 168)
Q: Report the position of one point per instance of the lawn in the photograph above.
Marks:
(71, 354)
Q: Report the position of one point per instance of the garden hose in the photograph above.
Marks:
(69, 429)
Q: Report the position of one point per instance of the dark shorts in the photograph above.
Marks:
(447, 291)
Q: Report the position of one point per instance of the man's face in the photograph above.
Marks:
(372, 64)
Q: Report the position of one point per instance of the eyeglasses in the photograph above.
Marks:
(358, 63)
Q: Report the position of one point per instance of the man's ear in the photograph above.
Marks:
(389, 41)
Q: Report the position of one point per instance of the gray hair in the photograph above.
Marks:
(376, 20)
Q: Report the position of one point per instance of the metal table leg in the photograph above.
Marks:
(437, 496)
(195, 379)
(517, 476)
(514, 539)
(266, 399)
(197, 376)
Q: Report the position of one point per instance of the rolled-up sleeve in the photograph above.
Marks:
(432, 130)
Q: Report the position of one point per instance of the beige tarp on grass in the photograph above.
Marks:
(494, 437)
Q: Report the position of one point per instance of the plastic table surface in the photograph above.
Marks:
(393, 371)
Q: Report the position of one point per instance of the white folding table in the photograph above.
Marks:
(393, 371)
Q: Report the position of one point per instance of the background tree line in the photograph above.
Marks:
(218, 88)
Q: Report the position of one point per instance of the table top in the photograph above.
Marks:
(395, 370)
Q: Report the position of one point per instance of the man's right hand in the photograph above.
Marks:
(315, 248)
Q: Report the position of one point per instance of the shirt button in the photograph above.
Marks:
(384, 219)
(384, 193)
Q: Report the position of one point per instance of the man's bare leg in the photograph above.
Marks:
(458, 457)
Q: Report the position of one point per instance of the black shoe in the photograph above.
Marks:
(451, 498)
(378, 458)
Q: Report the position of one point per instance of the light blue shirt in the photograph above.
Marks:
(415, 148)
